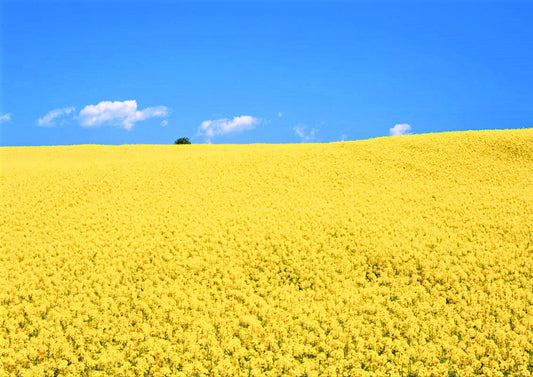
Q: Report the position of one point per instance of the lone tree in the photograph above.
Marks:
(182, 140)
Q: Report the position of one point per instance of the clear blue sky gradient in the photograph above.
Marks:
(349, 70)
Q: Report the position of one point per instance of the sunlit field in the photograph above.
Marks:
(401, 256)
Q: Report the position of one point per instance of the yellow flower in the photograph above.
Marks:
(380, 257)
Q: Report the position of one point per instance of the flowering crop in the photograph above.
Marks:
(408, 255)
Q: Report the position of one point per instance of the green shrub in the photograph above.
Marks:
(183, 140)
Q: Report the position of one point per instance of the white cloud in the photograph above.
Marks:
(305, 135)
(400, 129)
(5, 118)
(212, 128)
(164, 123)
(118, 113)
(51, 117)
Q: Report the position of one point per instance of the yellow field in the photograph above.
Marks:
(407, 255)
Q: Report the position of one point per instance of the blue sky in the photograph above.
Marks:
(117, 72)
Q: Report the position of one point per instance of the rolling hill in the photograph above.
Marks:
(408, 255)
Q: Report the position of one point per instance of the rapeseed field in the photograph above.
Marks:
(400, 256)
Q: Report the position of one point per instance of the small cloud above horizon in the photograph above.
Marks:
(400, 129)
(217, 127)
(5, 118)
(123, 114)
(51, 117)
(305, 135)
